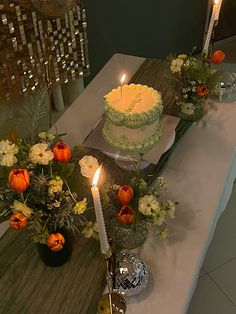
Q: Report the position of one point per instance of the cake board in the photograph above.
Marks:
(151, 156)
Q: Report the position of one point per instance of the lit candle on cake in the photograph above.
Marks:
(122, 80)
(99, 214)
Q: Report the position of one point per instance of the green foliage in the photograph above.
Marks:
(192, 77)
(31, 115)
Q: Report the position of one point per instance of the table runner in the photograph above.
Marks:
(22, 273)
(153, 73)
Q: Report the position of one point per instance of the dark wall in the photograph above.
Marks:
(150, 28)
(227, 21)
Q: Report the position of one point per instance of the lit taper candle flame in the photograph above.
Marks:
(122, 80)
(217, 7)
(99, 214)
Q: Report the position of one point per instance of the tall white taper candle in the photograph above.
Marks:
(218, 4)
(209, 31)
(99, 214)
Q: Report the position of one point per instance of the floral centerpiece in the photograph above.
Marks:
(193, 80)
(137, 207)
(35, 192)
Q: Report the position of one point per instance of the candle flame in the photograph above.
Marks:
(96, 176)
(122, 79)
(216, 1)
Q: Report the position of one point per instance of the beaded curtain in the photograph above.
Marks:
(32, 46)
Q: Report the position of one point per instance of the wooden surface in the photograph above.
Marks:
(28, 286)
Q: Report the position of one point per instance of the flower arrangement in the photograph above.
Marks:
(194, 78)
(35, 190)
(36, 193)
(137, 207)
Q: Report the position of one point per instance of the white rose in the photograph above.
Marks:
(160, 218)
(40, 154)
(187, 108)
(8, 150)
(21, 207)
(90, 229)
(88, 165)
(148, 205)
(176, 65)
(171, 209)
(47, 136)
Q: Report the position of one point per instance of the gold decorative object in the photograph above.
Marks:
(53, 8)
(31, 46)
(117, 301)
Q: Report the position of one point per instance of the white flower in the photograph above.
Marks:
(187, 63)
(8, 150)
(47, 136)
(88, 165)
(162, 234)
(55, 185)
(148, 205)
(160, 218)
(171, 209)
(185, 96)
(80, 207)
(162, 183)
(143, 185)
(176, 65)
(90, 229)
(21, 207)
(187, 108)
(40, 154)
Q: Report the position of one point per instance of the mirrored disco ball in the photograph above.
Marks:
(225, 90)
(53, 8)
(228, 87)
(131, 274)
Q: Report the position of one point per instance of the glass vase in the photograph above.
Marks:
(128, 236)
(191, 111)
(59, 258)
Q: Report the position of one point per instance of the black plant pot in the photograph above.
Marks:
(59, 258)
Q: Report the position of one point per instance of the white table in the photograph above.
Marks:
(200, 175)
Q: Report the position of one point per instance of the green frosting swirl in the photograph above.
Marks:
(122, 143)
(133, 120)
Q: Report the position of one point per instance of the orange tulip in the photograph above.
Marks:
(126, 215)
(125, 194)
(55, 242)
(18, 221)
(19, 180)
(217, 57)
(62, 152)
(202, 90)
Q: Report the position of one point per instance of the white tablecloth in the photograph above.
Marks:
(200, 175)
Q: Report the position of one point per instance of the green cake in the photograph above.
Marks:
(132, 117)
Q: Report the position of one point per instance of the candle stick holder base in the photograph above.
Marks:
(118, 304)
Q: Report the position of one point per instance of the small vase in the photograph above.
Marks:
(128, 236)
(191, 111)
(59, 258)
